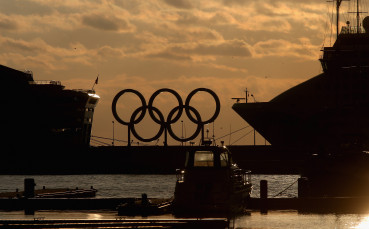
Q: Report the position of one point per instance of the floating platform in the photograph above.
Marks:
(349, 205)
(308, 204)
(125, 223)
(67, 203)
(145, 207)
(53, 193)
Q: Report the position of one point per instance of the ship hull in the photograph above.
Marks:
(327, 113)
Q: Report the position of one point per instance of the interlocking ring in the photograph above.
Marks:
(180, 104)
(134, 132)
(216, 99)
(165, 124)
(114, 107)
(197, 131)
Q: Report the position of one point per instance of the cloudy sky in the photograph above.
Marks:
(224, 45)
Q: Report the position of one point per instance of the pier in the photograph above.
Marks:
(349, 205)
(339, 205)
(44, 213)
(303, 203)
(118, 223)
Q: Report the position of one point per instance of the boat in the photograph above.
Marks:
(211, 184)
(327, 113)
(41, 116)
(325, 117)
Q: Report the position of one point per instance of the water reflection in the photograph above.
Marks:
(292, 219)
(253, 220)
(364, 224)
(94, 216)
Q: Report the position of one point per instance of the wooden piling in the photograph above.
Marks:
(263, 189)
(29, 187)
(29, 192)
(263, 196)
(303, 187)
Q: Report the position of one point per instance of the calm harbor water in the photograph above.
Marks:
(162, 186)
(121, 186)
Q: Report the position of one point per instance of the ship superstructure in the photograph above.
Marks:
(43, 114)
(327, 113)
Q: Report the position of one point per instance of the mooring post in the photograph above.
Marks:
(144, 199)
(303, 187)
(29, 192)
(263, 196)
(29, 187)
(263, 189)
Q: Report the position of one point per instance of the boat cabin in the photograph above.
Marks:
(208, 158)
(211, 183)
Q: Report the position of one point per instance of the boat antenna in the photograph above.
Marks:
(214, 133)
(247, 94)
(338, 4)
(358, 30)
(357, 16)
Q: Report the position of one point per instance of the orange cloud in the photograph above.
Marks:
(184, 4)
(107, 22)
(266, 46)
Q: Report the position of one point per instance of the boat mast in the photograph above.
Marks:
(358, 29)
(357, 17)
(338, 4)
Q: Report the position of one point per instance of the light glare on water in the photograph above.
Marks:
(364, 224)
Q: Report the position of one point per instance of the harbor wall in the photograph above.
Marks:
(140, 160)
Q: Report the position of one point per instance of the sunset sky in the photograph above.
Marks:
(224, 45)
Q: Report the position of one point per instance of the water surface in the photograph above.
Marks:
(162, 186)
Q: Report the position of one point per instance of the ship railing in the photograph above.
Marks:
(180, 174)
(352, 29)
(42, 82)
(247, 176)
(86, 91)
(242, 176)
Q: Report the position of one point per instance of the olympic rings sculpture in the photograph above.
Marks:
(165, 124)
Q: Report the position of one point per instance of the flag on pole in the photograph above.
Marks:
(96, 81)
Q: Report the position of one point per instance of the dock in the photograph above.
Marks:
(118, 223)
(53, 193)
(308, 204)
(320, 205)
(35, 204)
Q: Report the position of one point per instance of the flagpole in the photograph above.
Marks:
(96, 81)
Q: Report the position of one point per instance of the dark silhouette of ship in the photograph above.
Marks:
(40, 117)
(327, 113)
